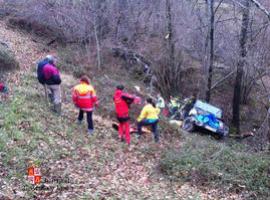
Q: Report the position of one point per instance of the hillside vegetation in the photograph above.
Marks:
(100, 167)
(74, 165)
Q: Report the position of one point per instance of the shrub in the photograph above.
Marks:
(168, 78)
(204, 162)
(69, 59)
(7, 58)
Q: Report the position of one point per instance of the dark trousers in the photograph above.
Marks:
(154, 126)
(89, 119)
(173, 110)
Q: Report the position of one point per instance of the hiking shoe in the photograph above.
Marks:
(79, 122)
(57, 108)
(90, 131)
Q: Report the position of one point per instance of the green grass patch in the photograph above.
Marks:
(27, 122)
(69, 62)
(208, 162)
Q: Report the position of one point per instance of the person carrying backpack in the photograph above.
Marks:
(4, 91)
(50, 75)
(122, 102)
(149, 117)
(84, 97)
(3, 88)
(40, 65)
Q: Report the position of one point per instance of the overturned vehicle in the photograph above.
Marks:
(205, 116)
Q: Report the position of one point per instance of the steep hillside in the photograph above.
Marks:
(86, 167)
(73, 164)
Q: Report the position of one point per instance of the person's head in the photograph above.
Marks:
(150, 101)
(194, 95)
(85, 79)
(51, 59)
(120, 87)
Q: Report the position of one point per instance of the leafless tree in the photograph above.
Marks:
(240, 66)
(210, 4)
(172, 36)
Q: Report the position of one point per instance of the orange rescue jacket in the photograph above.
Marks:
(84, 96)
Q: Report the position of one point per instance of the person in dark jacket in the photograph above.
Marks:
(189, 104)
(51, 77)
(41, 64)
(122, 102)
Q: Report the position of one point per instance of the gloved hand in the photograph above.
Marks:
(97, 104)
(137, 100)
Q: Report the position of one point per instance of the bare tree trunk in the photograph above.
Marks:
(240, 67)
(97, 43)
(210, 4)
(268, 119)
(170, 34)
(123, 26)
(95, 7)
(203, 85)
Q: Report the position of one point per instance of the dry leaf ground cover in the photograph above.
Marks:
(98, 167)
(74, 165)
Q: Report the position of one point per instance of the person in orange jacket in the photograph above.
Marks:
(84, 97)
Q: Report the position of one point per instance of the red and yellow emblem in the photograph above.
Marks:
(34, 175)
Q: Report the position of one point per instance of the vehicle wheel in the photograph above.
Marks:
(188, 125)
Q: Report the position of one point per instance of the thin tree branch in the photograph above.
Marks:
(219, 4)
(262, 8)
(222, 80)
(257, 4)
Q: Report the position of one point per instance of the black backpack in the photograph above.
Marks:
(40, 75)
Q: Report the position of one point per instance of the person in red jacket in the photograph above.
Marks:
(3, 88)
(122, 101)
(84, 97)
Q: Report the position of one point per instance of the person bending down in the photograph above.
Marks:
(122, 102)
(149, 117)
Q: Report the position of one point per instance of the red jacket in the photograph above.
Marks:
(2, 86)
(84, 96)
(51, 75)
(122, 101)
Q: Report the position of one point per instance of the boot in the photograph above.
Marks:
(57, 108)
(51, 98)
